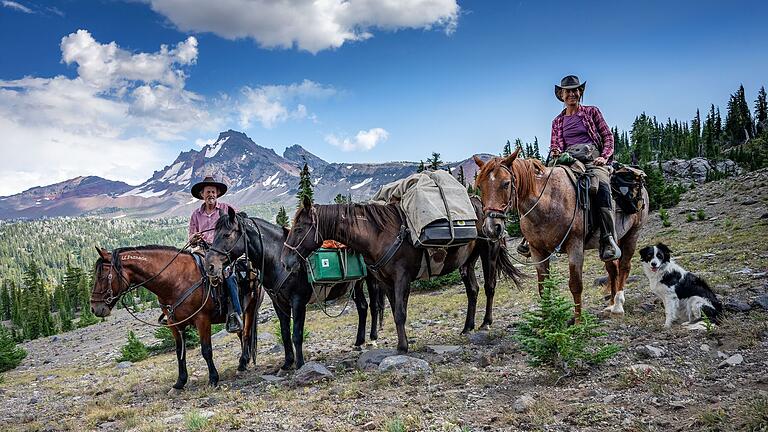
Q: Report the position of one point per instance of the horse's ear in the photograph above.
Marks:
(103, 253)
(507, 161)
(478, 161)
(231, 213)
(306, 202)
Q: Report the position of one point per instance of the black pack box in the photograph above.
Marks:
(438, 233)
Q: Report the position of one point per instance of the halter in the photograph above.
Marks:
(502, 212)
(295, 249)
(109, 294)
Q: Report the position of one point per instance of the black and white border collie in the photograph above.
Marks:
(682, 292)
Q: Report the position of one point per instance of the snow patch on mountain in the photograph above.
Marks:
(272, 180)
(362, 183)
(215, 147)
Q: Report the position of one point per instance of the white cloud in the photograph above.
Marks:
(112, 120)
(364, 140)
(269, 104)
(309, 25)
(17, 6)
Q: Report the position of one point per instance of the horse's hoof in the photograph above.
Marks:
(372, 343)
(484, 327)
(240, 371)
(282, 372)
(174, 391)
(357, 348)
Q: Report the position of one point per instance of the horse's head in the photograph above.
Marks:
(107, 284)
(228, 244)
(496, 184)
(303, 238)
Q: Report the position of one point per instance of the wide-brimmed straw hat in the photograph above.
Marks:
(569, 82)
(197, 188)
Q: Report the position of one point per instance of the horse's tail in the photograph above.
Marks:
(506, 268)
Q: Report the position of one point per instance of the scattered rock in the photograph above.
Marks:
(33, 401)
(600, 281)
(207, 414)
(220, 335)
(347, 363)
(761, 301)
(733, 360)
(749, 201)
(272, 378)
(276, 349)
(523, 404)
(404, 364)
(737, 306)
(108, 425)
(647, 307)
(485, 360)
(443, 349)
(176, 418)
(54, 338)
(649, 351)
(370, 426)
(704, 347)
(480, 338)
(311, 372)
(124, 365)
(642, 368)
(266, 337)
(371, 359)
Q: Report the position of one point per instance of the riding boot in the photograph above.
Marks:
(234, 315)
(609, 250)
(523, 248)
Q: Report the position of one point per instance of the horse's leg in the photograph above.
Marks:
(627, 244)
(575, 266)
(467, 272)
(181, 357)
(245, 335)
(299, 305)
(285, 331)
(542, 268)
(375, 304)
(362, 312)
(400, 311)
(381, 293)
(489, 286)
(612, 268)
(204, 330)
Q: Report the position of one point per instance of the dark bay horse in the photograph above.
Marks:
(376, 231)
(290, 291)
(175, 278)
(546, 200)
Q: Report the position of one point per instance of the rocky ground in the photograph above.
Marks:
(661, 380)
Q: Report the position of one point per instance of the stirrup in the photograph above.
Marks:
(234, 323)
(162, 319)
(605, 243)
(523, 249)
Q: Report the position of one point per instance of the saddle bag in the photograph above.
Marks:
(335, 265)
(440, 234)
(627, 186)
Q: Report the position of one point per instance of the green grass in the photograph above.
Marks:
(194, 421)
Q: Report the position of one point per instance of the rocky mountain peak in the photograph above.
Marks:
(300, 155)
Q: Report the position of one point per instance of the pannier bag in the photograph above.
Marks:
(627, 187)
(438, 233)
(335, 265)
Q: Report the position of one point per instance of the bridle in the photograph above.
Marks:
(109, 295)
(318, 238)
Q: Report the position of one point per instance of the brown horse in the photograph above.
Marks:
(175, 278)
(378, 232)
(551, 221)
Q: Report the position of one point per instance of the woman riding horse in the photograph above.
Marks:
(581, 131)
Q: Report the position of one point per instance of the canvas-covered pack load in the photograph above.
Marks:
(627, 186)
(436, 206)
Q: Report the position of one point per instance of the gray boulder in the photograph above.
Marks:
(310, 373)
(404, 364)
(371, 359)
(695, 170)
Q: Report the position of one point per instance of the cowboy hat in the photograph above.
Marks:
(569, 82)
(197, 188)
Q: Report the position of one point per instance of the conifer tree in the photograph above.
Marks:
(507, 149)
(305, 186)
(5, 301)
(282, 217)
(536, 152)
(761, 112)
(461, 178)
(10, 354)
(434, 162)
(340, 199)
(421, 167)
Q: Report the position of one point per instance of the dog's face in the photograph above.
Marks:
(655, 257)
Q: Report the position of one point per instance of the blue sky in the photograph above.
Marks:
(350, 81)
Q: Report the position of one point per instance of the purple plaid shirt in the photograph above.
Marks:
(200, 221)
(595, 124)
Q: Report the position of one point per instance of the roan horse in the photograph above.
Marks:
(290, 292)
(377, 232)
(175, 278)
(546, 201)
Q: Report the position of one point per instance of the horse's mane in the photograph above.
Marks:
(225, 223)
(524, 170)
(384, 217)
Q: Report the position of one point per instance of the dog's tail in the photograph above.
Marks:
(714, 312)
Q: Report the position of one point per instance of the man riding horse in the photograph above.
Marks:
(201, 234)
(582, 132)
